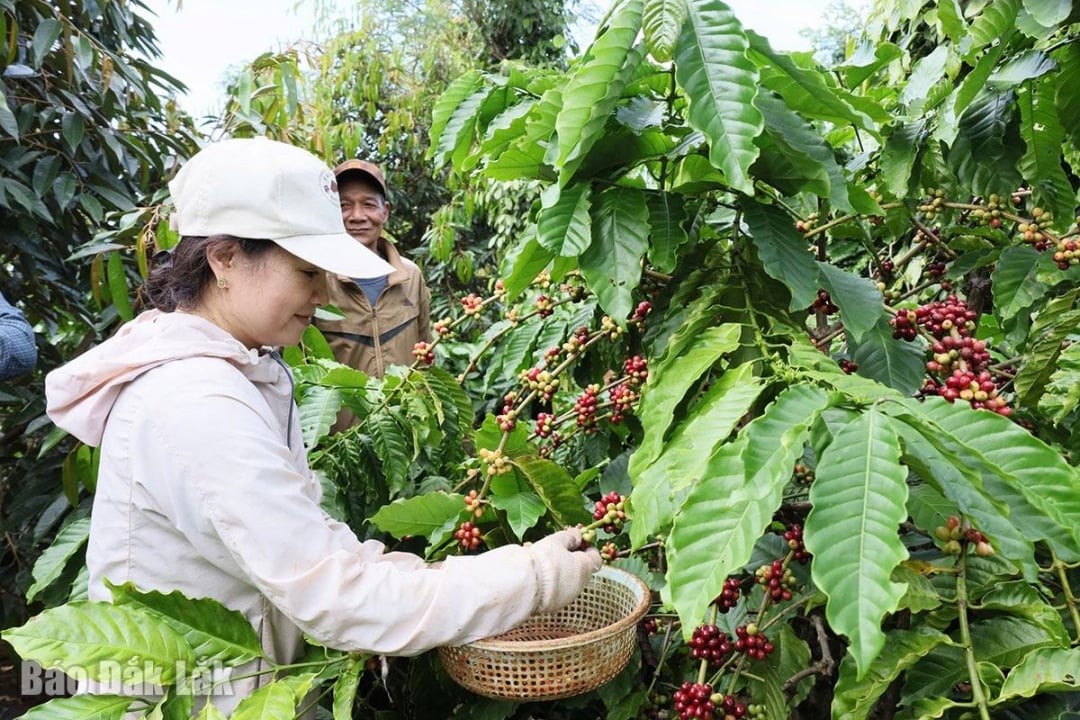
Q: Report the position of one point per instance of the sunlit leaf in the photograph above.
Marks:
(565, 227)
(555, 487)
(859, 495)
(515, 497)
(859, 300)
(855, 698)
(661, 22)
(81, 707)
(98, 638)
(665, 390)
(275, 700)
(727, 511)
(1063, 389)
(422, 515)
(1043, 670)
(591, 93)
(711, 66)
(620, 236)
(215, 633)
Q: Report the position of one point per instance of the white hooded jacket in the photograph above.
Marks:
(204, 488)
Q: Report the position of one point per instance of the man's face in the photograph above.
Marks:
(363, 209)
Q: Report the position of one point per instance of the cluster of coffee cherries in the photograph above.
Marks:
(944, 317)
(585, 409)
(543, 382)
(655, 707)
(731, 708)
(611, 511)
(610, 328)
(471, 304)
(554, 442)
(776, 579)
(886, 267)
(803, 474)
(575, 342)
(1034, 231)
(750, 640)
(808, 224)
(694, 701)
(623, 395)
(641, 312)
(823, 304)
(545, 424)
(954, 531)
(468, 536)
(905, 325)
(950, 351)
(623, 399)
(729, 595)
(1066, 248)
(544, 306)
(991, 211)
(697, 701)
(959, 365)
(978, 389)
(636, 369)
(932, 204)
(794, 537)
(507, 419)
(443, 328)
(424, 353)
(937, 269)
(1067, 254)
(474, 503)
(497, 463)
(709, 643)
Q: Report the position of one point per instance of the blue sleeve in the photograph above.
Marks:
(18, 350)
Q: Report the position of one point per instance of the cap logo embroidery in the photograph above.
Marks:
(329, 186)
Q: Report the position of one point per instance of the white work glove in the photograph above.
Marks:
(562, 567)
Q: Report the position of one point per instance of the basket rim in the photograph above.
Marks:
(618, 575)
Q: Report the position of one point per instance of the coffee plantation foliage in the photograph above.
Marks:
(89, 129)
(794, 344)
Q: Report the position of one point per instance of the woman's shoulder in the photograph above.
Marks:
(197, 375)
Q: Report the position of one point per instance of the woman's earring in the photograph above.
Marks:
(222, 283)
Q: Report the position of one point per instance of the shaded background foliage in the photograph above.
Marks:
(87, 130)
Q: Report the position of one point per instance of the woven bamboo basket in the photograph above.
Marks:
(561, 654)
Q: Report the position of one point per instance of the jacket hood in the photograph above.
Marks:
(80, 394)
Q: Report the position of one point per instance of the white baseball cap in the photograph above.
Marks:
(263, 189)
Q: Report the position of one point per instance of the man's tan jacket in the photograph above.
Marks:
(372, 339)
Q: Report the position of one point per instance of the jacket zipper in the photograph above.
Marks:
(292, 393)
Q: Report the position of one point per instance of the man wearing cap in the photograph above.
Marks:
(384, 317)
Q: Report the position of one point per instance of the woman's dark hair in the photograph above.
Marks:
(179, 276)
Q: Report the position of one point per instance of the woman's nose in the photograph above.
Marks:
(320, 293)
